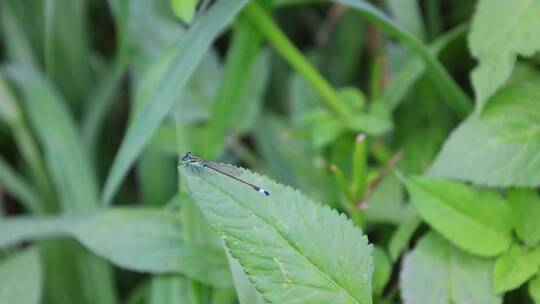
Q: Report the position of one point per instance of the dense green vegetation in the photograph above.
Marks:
(399, 141)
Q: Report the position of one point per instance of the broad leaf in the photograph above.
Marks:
(474, 220)
(144, 240)
(501, 30)
(20, 278)
(437, 273)
(292, 249)
(526, 209)
(161, 97)
(534, 289)
(500, 146)
(246, 292)
(184, 9)
(514, 268)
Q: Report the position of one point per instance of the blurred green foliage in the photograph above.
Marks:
(375, 109)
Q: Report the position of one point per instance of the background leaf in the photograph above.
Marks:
(143, 240)
(166, 91)
(452, 275)
(477, 221)
(184, 9)
(525, 205)
(514, 268)
(287, 244)
(516, 24)
(498, 147)
(534, 289)
(20, 278)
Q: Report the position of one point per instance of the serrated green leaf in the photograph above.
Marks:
(184, 9)
(20, 278)
(161, 98)
(437, 273)
(514, 268)
(292, 249)
(525, 205)
(500, 146)
(534, 289)
(246, 292)
(477, 221)
(144, 240)
(501, 30)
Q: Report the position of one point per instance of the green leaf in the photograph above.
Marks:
(383, 269)
(166, 289)
(162, 96)
(534, 289)
(501, 31)
(18, 187)
(499, 147)
(514, 268)
(477, 221)
(401, 237)
(18, 45)
(437, 273)
(144, 240)
(67, 49)
(20, 278)
(240, 67)
(292, 249)
(525, 205)
(184, 9)
(247, 294)
(66, 160)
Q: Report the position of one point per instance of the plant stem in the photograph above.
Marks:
(296, 59)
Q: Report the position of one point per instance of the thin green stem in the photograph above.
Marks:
(260, 19)
(457, 99)
(240, 61)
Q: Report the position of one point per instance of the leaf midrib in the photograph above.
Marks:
(286, 240)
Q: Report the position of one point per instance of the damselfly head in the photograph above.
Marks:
(186, 157)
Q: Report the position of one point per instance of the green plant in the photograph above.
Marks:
(387, 181)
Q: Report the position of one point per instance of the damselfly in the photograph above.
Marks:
(197, 163)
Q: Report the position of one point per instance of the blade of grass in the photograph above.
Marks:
(260, 19)
(19, 188)
(246, 43)
(69, 167)
(160, 100)
(67, 49)
(18, 48)
(404, 78)
(10, 113)
(457, 99)
(100, 103)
